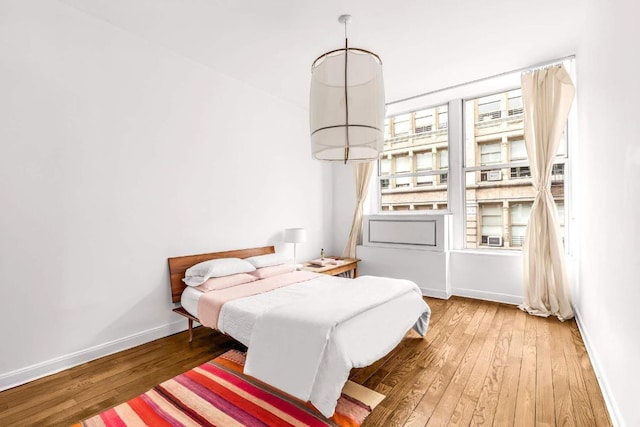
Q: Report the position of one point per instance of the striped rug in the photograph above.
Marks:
(218, 394)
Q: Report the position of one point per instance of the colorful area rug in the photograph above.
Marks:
(218, 394)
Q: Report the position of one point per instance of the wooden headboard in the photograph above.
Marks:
(178, 265)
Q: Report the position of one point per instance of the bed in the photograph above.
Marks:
(305, 337)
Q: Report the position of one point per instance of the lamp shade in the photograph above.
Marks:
(346, 110)
(295, 235)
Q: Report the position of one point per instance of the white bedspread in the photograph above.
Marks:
(307, 344)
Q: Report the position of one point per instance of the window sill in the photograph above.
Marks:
(426, 212)
(492, 252)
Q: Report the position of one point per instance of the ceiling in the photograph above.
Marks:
(425, 45)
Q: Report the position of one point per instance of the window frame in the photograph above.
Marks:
(563, 148)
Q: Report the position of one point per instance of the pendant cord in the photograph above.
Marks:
(345, 19)
(346, 98)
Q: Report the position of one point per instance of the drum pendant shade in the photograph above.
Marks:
(346, 111)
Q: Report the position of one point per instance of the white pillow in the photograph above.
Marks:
(201, 272)
(268, 260)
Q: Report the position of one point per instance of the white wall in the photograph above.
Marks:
(609, 195)
(427, 269)
(343, 200)
(488, 276)
(116, 154)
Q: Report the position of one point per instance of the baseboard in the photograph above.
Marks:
(488, 296)
(614, 412)
(435, 293)
(39, 370)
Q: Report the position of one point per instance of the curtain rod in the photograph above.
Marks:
(519, 70)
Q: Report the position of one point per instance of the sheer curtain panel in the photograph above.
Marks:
(362, 173)
(547, 95)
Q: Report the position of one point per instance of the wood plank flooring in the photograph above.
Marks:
(481, 363)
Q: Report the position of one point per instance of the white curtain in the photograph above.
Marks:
(362, 173)
(547, 95)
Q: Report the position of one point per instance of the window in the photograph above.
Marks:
(493, 194)
(491, 224)
(424, 162)
(416, 176)
(498, 175)
(402, 125)
(385, 169)
(520, 172)
(518, 151)
(557, 173)
(443, 159)
(387, 128)
(520, 212)
(403, 165)
(443, 117)
(515, 102)
(488, 108)
(490, 155)
(424, 121)
(519, 220)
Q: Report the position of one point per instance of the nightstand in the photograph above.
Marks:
(348, 266)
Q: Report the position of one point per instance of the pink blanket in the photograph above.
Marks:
(210, 304)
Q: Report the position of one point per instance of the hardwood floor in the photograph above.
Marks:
(481, 363)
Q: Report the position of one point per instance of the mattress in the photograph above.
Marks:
(238, 317)
(189, 300)
(367, 330)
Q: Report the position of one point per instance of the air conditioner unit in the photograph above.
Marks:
(494, 175)
(494, 240)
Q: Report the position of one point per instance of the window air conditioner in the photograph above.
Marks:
(494, 175)
(494, 240)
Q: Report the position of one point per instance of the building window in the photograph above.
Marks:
(520, 172)
(403, 165)
(557, 173)
(491, 224)
(488, 108)
(416, 177)
(424, 121)
(490, 155)
(443, 164)
(518, 152)
(424, 162)
(443, 117)
(519, 219)
(402, 125)
(385, 169)
(515, 103)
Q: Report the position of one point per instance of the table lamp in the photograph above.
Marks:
(295, 236)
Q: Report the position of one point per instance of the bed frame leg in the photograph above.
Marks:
(190, 330)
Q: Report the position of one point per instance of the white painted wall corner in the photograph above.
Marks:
(614, 411)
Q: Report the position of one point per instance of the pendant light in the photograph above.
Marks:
(346, 110)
